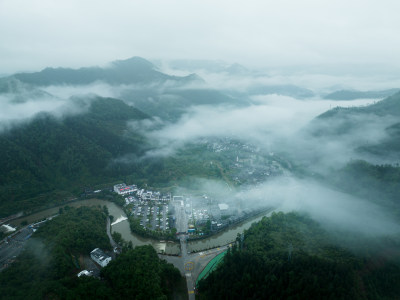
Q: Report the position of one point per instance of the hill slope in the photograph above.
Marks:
(315, 268)
(49, 154)
(374, 129)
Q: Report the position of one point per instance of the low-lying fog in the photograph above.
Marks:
(272, 122)
(334, 210)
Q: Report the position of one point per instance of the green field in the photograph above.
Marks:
(211, 266)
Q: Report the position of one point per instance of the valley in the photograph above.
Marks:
(183, 172)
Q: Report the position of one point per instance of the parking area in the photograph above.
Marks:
(153, 215)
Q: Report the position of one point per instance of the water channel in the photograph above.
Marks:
(222, 238)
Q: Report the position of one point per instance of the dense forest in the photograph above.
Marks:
(289, 256)
(140, 274)
(63, 156)
(48, 266)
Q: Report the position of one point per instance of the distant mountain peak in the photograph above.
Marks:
(135, 62)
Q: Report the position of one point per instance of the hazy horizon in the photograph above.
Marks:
(357, 36)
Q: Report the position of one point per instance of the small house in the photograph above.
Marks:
(100, 257)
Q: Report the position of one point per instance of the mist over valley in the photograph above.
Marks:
(306, 138)
(210, 150)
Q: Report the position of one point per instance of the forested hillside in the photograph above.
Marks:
(53, 256)
(339, 121)
(289, 256)
(386, 107)
(49, 160)
(64, 155)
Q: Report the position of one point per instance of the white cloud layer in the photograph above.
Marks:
(333, 209)
(274, 123)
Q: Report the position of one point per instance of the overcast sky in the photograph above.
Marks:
(39, 33)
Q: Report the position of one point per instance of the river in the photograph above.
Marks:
(224, 237)
(121, 225)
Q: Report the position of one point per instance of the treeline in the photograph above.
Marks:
(48, 266)
(288, 256)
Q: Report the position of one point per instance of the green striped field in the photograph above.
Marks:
(211, 266)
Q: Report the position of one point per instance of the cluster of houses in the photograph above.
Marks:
(136, 193)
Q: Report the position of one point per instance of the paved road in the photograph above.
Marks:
(11, 249)
(181, 221)
(112, 242)
(191, 265)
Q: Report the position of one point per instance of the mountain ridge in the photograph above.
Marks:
(355, 94)
(135, 70)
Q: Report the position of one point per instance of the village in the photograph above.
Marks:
(249, 164)
(195, 216)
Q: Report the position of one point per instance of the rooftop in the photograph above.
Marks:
(99, 254)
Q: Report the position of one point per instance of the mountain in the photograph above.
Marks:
(49, 154)
(140, 84)
(354, 94)
(372, 134)
(342, 120)
(134, 70)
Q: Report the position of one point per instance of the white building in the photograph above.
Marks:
(100, 257)
(224, 209)
(123, 189)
